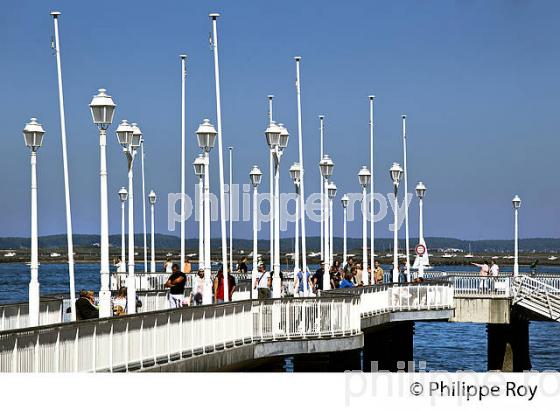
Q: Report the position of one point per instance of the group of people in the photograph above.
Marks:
(87, 308)
(177, 281)
(349, 275)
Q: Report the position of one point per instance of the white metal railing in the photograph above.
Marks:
(379, 299)
(481, 286)
(536, 295)
(16, 316)
(144, 339)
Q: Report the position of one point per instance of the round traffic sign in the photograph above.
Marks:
(420, 250)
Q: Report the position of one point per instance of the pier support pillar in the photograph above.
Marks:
(508, 346)
(389, 348)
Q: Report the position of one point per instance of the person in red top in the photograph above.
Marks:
(219, 286)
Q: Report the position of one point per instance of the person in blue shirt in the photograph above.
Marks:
(347, 281)
(298, 283)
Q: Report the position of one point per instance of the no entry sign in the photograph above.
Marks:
(420, 250)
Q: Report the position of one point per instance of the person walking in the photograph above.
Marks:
(299, 281)
(176, 284)
(263, 282)
(197, 291)
(317, 279)
(219, 286)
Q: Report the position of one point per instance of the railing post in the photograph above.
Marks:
(36, 355)
(332, 317)
(154, 340)
(94, 349)
(319, 318)
(168, 336)
(111, 348)
(15, 356)
(76, 352)
(126, 347)
(288, 313)
(57, 352)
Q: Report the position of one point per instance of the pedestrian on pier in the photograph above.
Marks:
(168, 266)
(346, 282)
(219, 286)
(484, 271)
(318, 278)
(299, 281)
(378, 273)
(176, 284)
(263, 283)
(85, 306)
(494, 269)
(187, 266)
(197, 288)
(242, 266)
(119, 302)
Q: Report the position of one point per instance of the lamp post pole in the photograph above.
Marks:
(255, 176)
(344, 201)
(123, 195)
(183, 128)
(364, 176)
(407, 239)
(301, 183)
(295, 173)
(371, 207)
(153, 199)
(332, 194)
(129, 137)
(102, 111)
(271, 185)
(326, 165)
(230, 207)
(214, 17)
(33, 138)
(395, 172)
(206, 136)
(322, 130)
(144, 207)
(199, 165)
(516, 205)
(70, 243)
(420, 192)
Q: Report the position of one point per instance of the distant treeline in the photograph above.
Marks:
(313, 243)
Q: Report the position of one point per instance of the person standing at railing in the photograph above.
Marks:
(85, 306)
(378, 273)
(168, 266)
(176, 284)
(242, 266)
(484, 271)
(187, 267)
(263, 282)
(120, 265)
(317, 279)
(219, 286)
(494, 269)
(346, 282)
(197, 288)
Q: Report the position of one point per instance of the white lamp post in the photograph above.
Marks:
(420, 192)
(123, 196)
(277, 138)
(206, 136)
(214, 17)
(271, 188)
(230, 208)
(102, 110)
(199, 164)
(371, 204)
(33, 137)
(183, 132)
(129, 136)
(344, 201)
(144, 206)
(255, 175)
(295, 174)
(407, 239)
(152, 197)
(69, 240)
(395, 171)
(321, 149)
(364, 176)
(516, 201)
(332, 194)
(326, 165)
(301, 182)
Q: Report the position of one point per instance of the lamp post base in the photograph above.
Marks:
(105, 303)
(34, 298)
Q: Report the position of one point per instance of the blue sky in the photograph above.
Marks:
(478, 81)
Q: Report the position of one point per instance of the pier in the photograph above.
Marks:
(245, 334)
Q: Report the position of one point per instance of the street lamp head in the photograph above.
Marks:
(102, 109)
(326, 166)
(420, 190)
(33, 134)
(295, 172)
(124, 133)
(371, 97)
(516, 201)
(272, 134)
(198, 165)
(284, 137)
(152, 197)
(55, 14)
(123, 194)
(331, 190)
(206, 135)
(364, 176)
(214, 16)
(136, 136)
(344, 200)
(255, 175)
(395, 171)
